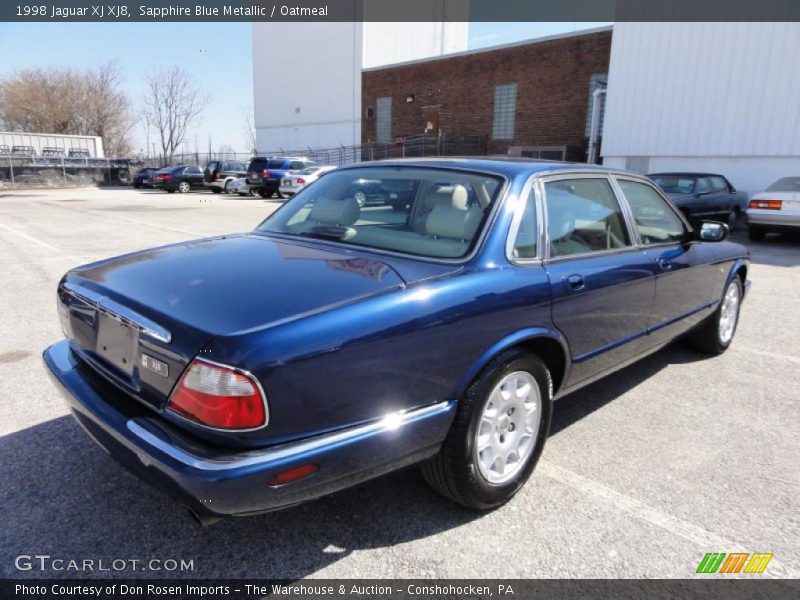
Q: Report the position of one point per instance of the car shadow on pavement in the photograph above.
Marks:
(577, 405)
(63, 496)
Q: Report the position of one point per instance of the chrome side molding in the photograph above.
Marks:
(102, 303)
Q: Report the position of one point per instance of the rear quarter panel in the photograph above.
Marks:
(388, 353)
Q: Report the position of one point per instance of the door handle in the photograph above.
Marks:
(574, 283)
(663, 263)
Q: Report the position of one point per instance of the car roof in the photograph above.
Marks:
(509, 166)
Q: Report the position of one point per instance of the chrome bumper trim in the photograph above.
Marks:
(387, 424)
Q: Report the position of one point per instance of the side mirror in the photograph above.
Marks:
(710, 231)
(732, 189)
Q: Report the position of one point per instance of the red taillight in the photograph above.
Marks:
(300, 180)
(769, 204)
(219, 397)
(265, 174)
(218, 177)
(293, 474)
(166, 177)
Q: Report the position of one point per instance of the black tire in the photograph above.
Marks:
(453, 472)
(756, 234)
(706, 336)
(136, 186)
(265, 194)
(184, 189)
(733, 219)
(225, 187)
(170, 191)
(279, 195)
(216, 190)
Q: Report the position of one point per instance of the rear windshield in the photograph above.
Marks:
(276, 163)
(234, 166)
(675, 184)
(435, 213)
(786, 184)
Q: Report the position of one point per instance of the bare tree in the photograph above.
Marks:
(69, 101)
(172, 102)
(249, 129)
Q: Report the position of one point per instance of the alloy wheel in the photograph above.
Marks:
(506, 433)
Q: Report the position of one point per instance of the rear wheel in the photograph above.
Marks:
(715, 334)
(170, 191)
(733, 218)
(498, 433)
(265, 194)
(225, 187)
(756, 234)
(216, 190)
(279, 195)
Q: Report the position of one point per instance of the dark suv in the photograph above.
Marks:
(265, 173)
(219, 173)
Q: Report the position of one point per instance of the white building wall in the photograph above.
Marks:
(388, 43)
(306, 84)
(721, 97)
(307, 76)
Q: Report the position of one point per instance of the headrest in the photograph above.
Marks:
(460, 197)
(435, 196)
(344, 211)
(455, 223)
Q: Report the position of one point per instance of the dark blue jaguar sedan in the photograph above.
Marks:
(337, 342)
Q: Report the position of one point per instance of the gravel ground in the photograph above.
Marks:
(644, 472)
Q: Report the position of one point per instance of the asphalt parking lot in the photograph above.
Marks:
(644, 472)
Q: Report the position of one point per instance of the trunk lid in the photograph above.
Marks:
(139, 319)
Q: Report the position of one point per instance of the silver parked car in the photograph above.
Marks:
(239, 186)
(775, 209)
(294, 181)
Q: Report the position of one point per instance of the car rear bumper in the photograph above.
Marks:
(773, 218)
(223, 482)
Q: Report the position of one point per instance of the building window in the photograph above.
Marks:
(383, 124)
(505, 109)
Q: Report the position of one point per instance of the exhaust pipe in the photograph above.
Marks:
(203, 520)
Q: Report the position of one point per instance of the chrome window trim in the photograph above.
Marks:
(244, 372)
(687, 227)
(292, 449)
(498, 201)
(102, 303)
(584, 174)
(530, 187)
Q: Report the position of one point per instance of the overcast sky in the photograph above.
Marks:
(219, 55)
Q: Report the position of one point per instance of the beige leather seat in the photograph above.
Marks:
(434, 196)
(454, 220)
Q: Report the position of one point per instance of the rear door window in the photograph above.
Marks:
(276, 163)
(583, 215)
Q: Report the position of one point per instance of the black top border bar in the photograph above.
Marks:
(152, 11)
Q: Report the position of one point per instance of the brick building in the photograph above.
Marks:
(531, 99)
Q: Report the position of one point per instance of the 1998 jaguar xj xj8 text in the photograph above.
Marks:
(337, 342)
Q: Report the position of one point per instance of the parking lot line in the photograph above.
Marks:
(644, 512)
(30, 238)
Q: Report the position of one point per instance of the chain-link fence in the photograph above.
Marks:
(23, 170)
(16, 169)
(411, 146)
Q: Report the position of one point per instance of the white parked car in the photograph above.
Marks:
(775, 209)
(295, 181)
(239, 186)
